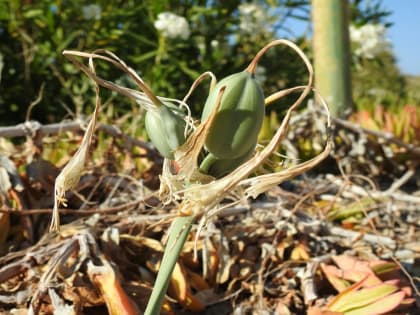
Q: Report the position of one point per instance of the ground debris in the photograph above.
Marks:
(284, 252)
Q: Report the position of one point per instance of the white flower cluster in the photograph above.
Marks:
(253, 18)
(370, 40)
(172, 25)
(91, 12)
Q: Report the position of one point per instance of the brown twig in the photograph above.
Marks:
(80, 212)
(31, 127)
(386, 136)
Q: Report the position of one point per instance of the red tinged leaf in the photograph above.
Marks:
(381, 306)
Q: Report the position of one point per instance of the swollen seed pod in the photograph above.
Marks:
(165, 129)
(239, 118)
(217, 168)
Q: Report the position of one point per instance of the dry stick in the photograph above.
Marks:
(357, 190)
(81, 212)
(387, 137)
(30, 127)
(399, 182)
(369, 238)
(308, 282)
(376, 239)
(35, 102)
(381, 242)
(59, 257)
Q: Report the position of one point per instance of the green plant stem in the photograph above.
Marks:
(332, 54)
(161, 51)
(179, 230)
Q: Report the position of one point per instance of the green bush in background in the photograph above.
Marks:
(222, 37)
(34, 34)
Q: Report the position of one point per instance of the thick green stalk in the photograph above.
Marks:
(332, 54)
(179, 230)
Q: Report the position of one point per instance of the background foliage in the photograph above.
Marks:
(34, 34)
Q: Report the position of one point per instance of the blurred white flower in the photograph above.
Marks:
(370, 40)
(202, 47)
(214, 43)
(172, 25)
(91, 12)
(253, 18)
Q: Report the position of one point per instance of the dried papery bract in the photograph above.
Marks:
(187, 155)
(198, 81)
(144, 97)
(166, 124)
(173, 182)
(112, 58)
(199, 195)
(255, 186)
(203, 198)
(172, 185)
(218, 189)
(70, 174)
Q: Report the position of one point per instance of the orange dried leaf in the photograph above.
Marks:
(179, 289)
(337, 282)
(193, 303)
(117, 301)
(300, 252)
(213, 264)
(178, 284)
(197, 282)
(4, 226)
(344, 261)
(355, 270)
(407, 290)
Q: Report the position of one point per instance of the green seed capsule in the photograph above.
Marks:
(217, 168)
(165, 129)
(239, 118)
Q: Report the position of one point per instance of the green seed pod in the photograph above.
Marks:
(165, 129)
(239, 118)
(217, 168)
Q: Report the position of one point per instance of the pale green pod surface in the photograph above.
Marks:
(217, 168)
(239, 118)
(165, 130)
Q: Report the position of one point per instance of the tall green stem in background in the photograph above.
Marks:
(332, 54)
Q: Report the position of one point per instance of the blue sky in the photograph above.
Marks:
(405, 33)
